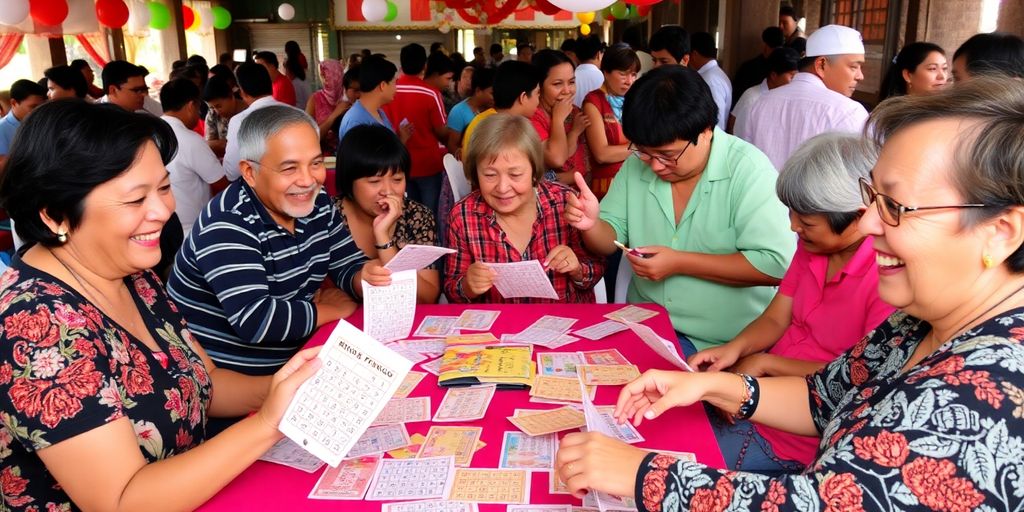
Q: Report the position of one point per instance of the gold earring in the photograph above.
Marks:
(986, 259)
(62, 236)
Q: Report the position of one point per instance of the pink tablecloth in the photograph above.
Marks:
(266, 486)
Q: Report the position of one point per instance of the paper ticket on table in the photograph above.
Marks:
(415, 257)
(465, 404)
(565, 389)
(412, 379)
(558, 364)
(379, 440)
(332, 410)
(522, 451)
(435, 326)
(664, 348)
(459, 442)
(523, 279)
(607, 374)
(286, 453)
(477, 319)
(404, 410)
(389, 311)
(547, 422)
(348, 481)
(631, 313)
(600, 330)
(412, 479)
(491, 485)
(430, 506)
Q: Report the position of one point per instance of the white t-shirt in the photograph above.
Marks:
(721, 89)
(588, 78)
(192, 170)
(231, 151)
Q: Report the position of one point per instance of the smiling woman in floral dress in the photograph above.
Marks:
(105, 391)
(927, 411)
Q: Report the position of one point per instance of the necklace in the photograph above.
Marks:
(963, 327)
(84, 283)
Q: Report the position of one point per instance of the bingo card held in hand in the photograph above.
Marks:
(332, 409)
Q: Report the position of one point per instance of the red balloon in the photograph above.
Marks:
(547, 7)
(48, 12)
(643, 10)
(188, 16)
(641, 2)
(112, 13)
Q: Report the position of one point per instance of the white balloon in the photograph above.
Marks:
(13, 12)
(375, 10)
(205, 20)
(581, 5)
(286, 12)
(138, 17)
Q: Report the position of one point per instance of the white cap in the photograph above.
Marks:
(834, 40)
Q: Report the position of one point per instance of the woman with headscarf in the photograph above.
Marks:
(328, 104)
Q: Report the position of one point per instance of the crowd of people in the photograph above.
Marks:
(846, 284)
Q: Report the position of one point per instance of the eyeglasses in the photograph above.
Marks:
(291, 169)
(890, 211)
(138, 90)
(665, 160)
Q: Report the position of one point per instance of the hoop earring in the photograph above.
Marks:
(987, 261)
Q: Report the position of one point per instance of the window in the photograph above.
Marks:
(867, 16)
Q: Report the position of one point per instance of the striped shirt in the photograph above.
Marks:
(245, 284)
(423, 107)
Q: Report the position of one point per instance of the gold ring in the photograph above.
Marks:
(569, 467)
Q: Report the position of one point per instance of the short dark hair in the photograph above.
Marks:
(911, 56)
(435, 46)
(704, 44)
(995, 52)
(672, 39)
(369, 150)
(773, 37)
(413, 58)
(524, 45)
(178, 93)
(217, 88)
(620, 57)
(587, 47)
(352, 75)
(254, 79)
(439, 64)
(375, 70)
(478, 49)
(546, 59)
(178, 64)
(224, 72)
(268, 57)
(117, 72)
(482, 79)
(188, 72)
(196, 59)
(23, 89)
(512, 79)
(789, 10)
(799, 44)
(569, 45)
(98, 141)
(225, 58)
(78, 65)
(783, 60)
(496, 48)
(68, 78)
(667, 104)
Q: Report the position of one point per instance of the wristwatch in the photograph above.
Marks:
(388, 245)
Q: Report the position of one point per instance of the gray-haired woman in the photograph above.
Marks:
(826, 302)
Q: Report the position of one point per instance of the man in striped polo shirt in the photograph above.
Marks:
(248, 278)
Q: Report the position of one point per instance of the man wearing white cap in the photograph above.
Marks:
(816, 101)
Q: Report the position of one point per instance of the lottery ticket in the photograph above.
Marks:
(389, 311)
(333, 408)
(547, 422)
(631, 313)
(521, 451)
(432, 366)
(600, 330)
(409, 452)
(608, 356)
(522, 279)
(430, 506)
(412, 479)
(286, 453)
(465, 404)
(435, 326)
(561, 389)
(558, 364)
(624, 432)
(412, 379)
(547, 329)
(477, 319)
(404, 410)
(459, 442)
(490, 485)
(380, 440)
(414, 257)
(607, 374)
(428, 346)
(664, 348)
(348, 481)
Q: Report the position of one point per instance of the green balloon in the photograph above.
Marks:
(634, 12)
(392, 11)
(221, 18)
(619, 10)
(606, 13)
(159, 16)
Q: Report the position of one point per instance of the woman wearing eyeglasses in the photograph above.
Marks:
(925, 412)
(699, 207)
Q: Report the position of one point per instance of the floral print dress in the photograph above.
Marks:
(66, 368)
(946, 435)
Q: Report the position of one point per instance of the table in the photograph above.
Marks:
(266, 486)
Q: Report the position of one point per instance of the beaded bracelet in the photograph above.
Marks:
(751, 396)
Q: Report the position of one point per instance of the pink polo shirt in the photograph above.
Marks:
(828, 319)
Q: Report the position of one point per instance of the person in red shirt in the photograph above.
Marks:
(421, 106)
(284, 91)
(514, 215)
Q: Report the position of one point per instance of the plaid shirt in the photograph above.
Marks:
(473, 231)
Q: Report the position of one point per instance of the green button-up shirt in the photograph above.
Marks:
(733, 209)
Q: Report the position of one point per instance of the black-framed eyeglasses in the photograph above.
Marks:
(890, 211)
(665, 160)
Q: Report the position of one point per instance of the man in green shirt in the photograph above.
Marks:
(698, 205)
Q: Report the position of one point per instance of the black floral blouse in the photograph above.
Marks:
(947, 435)
(417, 225)
(66, 368)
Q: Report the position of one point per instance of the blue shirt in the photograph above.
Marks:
(8, 127)
(460, 116)
(245, 284)
(358, 115)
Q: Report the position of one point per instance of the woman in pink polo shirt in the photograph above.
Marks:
(827, 301)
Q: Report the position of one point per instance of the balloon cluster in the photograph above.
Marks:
(137, 15)
(376, 11)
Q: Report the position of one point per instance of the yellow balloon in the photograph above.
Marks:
(585, 30)
(585, 18)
